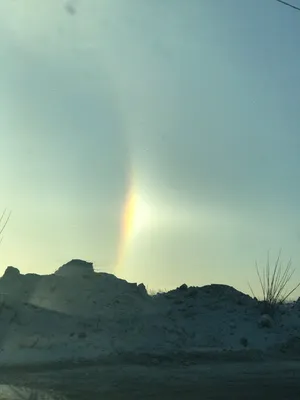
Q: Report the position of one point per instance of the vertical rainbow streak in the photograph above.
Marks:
(127, 221)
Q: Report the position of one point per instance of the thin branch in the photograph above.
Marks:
(6, 221)
(289, 5)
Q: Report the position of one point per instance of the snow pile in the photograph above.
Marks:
(75, 268)
(77, 314)
(75, 289)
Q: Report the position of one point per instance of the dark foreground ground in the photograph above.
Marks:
(204, 380)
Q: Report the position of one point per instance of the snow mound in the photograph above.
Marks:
(217, 293)
(76, 268)
(11, 272)
(77, 313)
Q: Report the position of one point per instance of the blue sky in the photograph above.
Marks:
(198, 99)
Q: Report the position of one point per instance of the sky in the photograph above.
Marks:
(157, 139)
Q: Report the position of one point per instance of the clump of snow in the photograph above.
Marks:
(75, 268)
(265, 321)
(11, 272)
(77, 313)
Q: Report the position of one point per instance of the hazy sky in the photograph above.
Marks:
(196, 103)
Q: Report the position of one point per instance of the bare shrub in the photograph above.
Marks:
(274, 283)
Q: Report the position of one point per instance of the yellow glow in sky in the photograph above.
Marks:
(137, 216)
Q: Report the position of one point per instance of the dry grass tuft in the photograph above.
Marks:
(274, 283)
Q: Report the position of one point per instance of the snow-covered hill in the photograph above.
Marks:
(78, 314)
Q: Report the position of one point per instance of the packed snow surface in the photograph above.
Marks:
(77, 314)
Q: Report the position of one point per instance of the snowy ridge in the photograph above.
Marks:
(78, 314)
